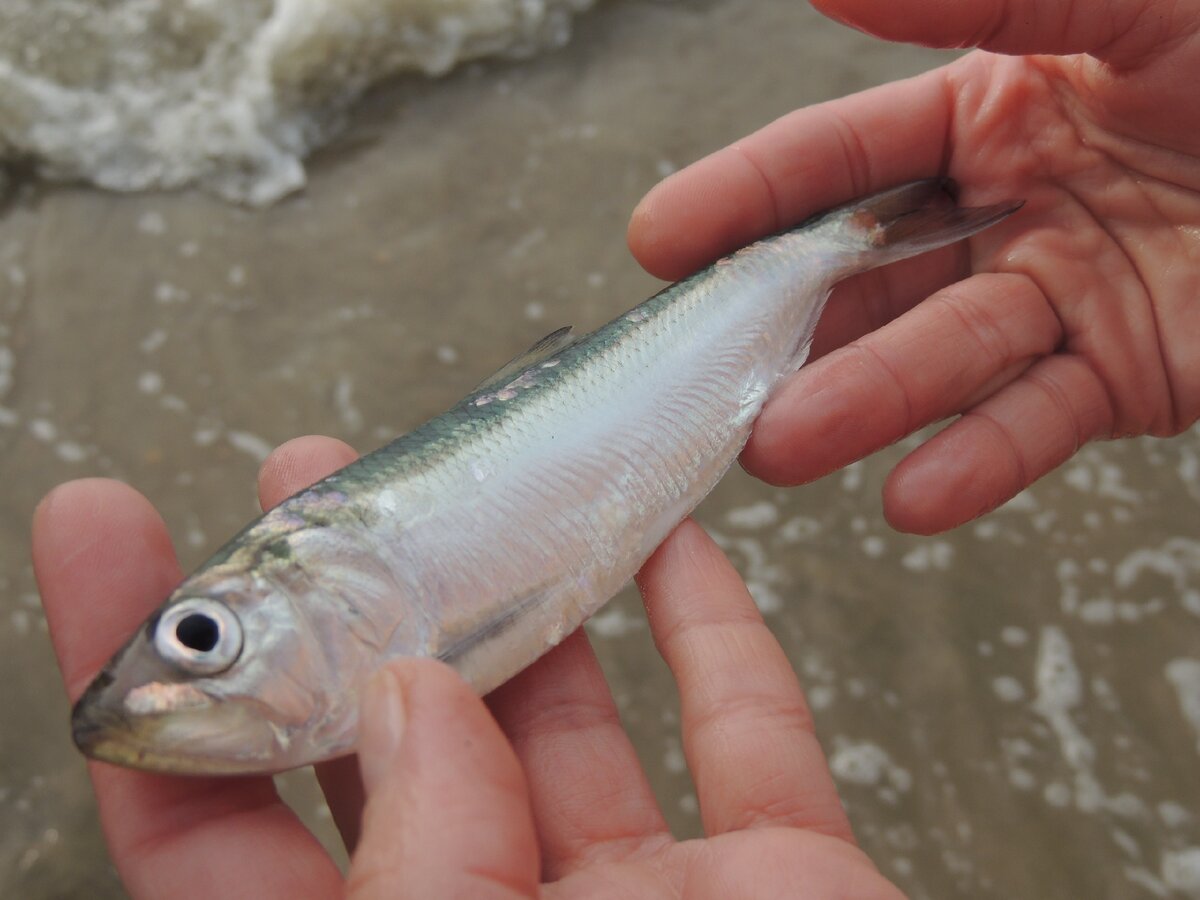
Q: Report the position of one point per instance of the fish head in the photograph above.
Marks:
(223, 679)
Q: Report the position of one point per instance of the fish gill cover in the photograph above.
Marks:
(229, 95)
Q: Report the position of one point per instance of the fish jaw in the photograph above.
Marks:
(206, 740)
(217, 736)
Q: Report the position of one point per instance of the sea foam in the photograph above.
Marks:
(229, 95)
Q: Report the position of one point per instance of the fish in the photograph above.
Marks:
(488, 534)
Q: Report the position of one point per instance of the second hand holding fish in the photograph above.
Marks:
(487, 535)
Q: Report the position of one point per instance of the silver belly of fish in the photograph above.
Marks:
(487, 535)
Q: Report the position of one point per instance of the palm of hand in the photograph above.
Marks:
(780, 862)
(1105, 238)
(1082, 324)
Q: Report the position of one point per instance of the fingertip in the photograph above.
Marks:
(687, 569)
(77, 514)
(85, 497)
(714, 206)
(48, 506)
(825, 416)
(685, 551)
(944, 484)
(687, 538)
(646, 237)
(53, 509)
(298, 463)
(770, 454)
(908, 506)
(102, 558)
(656, 235)
(999, 447)
(832, 9)
(903, 21)
(1003, 26)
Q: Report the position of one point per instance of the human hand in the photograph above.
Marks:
(1082, 320)
(551, 801)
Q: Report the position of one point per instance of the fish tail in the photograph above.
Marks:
(914, 218)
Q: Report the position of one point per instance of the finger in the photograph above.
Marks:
(1006, 26)
(447, 811)
(296, 464)
(947, 353)
(871, 299)
(804, 162)
(999, 447)
(747, 731)
(591, 799)
(103, 563)
(291, 467)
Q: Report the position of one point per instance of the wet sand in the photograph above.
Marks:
(1006, 706)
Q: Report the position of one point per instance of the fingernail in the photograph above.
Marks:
(380, 727)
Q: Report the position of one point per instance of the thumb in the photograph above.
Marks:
(447, 811)
(1008, 26)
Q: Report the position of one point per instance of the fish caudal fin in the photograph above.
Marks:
(916, 217)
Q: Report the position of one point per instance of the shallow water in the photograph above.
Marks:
(1012, 709)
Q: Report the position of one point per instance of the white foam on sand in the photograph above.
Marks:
(866, 763)
(227, 94)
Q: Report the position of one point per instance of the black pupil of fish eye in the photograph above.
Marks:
(198, 632)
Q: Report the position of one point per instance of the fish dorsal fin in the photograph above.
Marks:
(543, 349)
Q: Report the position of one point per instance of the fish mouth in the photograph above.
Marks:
(103, 735)
(211, 741)
(93, 721)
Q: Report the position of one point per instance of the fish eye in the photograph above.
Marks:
(199, 635)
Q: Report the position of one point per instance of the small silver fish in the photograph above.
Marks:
(487, 535)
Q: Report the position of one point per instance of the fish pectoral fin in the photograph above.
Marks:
(543, 349)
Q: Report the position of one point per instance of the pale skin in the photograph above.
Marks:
(1073, 321)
